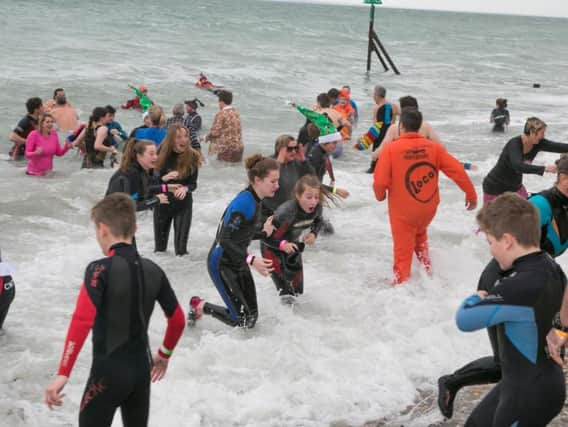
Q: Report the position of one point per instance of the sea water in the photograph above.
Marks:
(353, 348)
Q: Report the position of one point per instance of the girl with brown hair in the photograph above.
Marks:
(177, 163)
(228, 261)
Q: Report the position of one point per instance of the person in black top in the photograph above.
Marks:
(193, 119)
(515, 159)
(18, 136)
(228, 261)
(135, 176)
(116, 301)
(95, 140)
(319, 159)
(292, 168)
(500, 116)
(285, 246)
(178, 163)
(521, 306)
(7, 290)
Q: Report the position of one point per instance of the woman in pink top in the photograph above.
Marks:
(41, 145)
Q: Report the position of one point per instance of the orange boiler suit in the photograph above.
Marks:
(408, 170)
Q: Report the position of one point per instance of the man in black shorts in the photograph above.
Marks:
(116, 300)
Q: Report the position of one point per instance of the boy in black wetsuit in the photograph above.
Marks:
(116, 300)
(521, 307)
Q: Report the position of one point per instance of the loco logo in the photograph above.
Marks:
(420, 180)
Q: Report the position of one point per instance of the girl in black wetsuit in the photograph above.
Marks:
(178, 163)
(284, 248)
(515, 159)
(228, 261)
(96, 140)
(135, 176)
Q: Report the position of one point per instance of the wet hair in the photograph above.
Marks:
(110, 109)
(333, 93)
(33, 104)
(59, 89)
(533, 125)
(408, 102)
(187, 162)
(561, 166)
(281, 142)
(133, 148)
(323, 100)
(313, 130)
(178, 110)
(509, 213)
(346, 87)
(97, 114)
(225, 96)
(42, 118)
(258, 166)
(501, 102)
(411, 119)
(313, 181)
(118, 212)
(379, 91)
(156, 114)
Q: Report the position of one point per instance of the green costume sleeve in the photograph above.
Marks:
(320, 120)
(145, 102)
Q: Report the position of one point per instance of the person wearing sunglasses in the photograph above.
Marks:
(516, 158)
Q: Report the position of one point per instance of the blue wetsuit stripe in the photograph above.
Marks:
(216, 277)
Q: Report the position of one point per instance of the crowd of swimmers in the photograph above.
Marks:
(520, 298)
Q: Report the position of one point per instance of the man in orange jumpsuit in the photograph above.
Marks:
(408, 170)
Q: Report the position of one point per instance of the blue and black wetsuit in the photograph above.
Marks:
(290, 221)
(227, 262)
(552, 207)
(521, 307)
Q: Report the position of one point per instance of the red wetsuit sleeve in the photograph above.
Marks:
(176, 323)
(81, 323)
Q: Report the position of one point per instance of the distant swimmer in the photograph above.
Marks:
(516, 158)
(500, 116)
(18, 136)
(141, 102)
(116, 301)
(7, 291)
(408, 170)
(229, 261)
(521, 307)
(297, 222)
(204, 83)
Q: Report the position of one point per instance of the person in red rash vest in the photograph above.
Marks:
(408, 170)
(116, 301)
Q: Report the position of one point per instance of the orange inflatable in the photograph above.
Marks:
(408, 170)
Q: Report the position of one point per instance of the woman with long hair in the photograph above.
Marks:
(135, 176)
(177, 163)
(228, 261)
(41, 145)
(95, 139)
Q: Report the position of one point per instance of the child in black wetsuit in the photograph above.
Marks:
(284, 248)
(520, 308)
(500, 116)
(116, 301)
